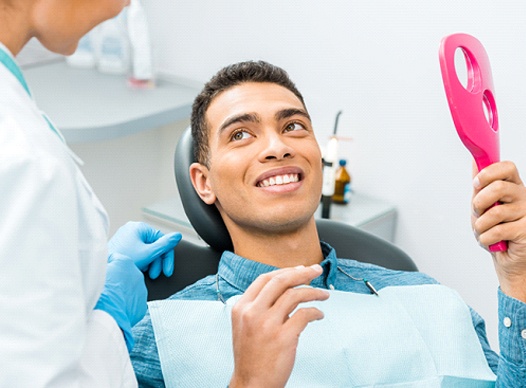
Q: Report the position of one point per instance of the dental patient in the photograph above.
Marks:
(283, 308)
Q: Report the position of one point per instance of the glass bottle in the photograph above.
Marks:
(342, 184)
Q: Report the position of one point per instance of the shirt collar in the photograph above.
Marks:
(7, 58)
(240, 272)
(329, 265)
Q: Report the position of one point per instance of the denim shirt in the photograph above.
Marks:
(236, 273)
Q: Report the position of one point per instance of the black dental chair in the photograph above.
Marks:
(193, 262)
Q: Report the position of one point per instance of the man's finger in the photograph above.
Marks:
(257, 285)
(301, 318)
(285, 280)
(293, 297)
(503, 171)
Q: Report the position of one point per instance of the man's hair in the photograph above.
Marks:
(226, 78)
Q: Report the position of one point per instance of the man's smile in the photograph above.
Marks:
(280, 177)
(279, 180)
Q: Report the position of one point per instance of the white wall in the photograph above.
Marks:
(378, 62)
(131, 172)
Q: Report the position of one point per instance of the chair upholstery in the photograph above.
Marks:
(193, 262)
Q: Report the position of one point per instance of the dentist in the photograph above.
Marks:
(68, 299)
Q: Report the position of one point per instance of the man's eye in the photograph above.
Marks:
(293, 127)
(240, 135)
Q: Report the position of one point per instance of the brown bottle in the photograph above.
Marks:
(342, 184)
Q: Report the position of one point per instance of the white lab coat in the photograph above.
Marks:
(53, 249)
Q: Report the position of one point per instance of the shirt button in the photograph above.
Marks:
(523, 334)
(507, 321)
(331, 287)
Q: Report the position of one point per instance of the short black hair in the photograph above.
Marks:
(226, 78)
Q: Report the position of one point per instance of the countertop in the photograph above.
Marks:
(87, 105)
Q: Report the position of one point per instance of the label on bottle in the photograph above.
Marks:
(347, 192)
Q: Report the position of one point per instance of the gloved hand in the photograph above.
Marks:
(124, 295)
(149, 248)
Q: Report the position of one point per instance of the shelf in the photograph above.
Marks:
(370, 214)
(87, 105)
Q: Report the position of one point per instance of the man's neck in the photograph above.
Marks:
(286, 249)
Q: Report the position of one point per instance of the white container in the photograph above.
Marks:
(84, 56)
(113, 48)
(142, 66)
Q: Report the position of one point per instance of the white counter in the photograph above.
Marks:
(370, 214)
(89, 106)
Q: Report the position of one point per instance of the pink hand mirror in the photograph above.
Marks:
(472, 106)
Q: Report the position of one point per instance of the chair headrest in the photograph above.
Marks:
(348, 240)
(205, 219)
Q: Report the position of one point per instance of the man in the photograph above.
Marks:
(259, 163)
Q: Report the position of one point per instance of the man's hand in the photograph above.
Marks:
(500, 182)
(265, 334)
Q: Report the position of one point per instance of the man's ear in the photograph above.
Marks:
(199, 177)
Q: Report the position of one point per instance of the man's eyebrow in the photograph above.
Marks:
(241, 118)
(286, 113)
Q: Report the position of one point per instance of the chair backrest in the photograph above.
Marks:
(193, 262)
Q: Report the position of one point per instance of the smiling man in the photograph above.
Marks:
(263, 154)
(259, 163)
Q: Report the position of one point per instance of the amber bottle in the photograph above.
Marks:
(342, 184)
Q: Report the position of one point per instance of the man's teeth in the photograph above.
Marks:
(279, 180)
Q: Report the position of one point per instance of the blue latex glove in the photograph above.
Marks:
(124, 295)
(149, 248)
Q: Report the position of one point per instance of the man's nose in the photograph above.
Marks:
(276, 148)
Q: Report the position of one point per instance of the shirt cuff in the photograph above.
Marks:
(512, 333)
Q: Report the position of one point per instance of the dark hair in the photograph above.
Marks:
(226, 78)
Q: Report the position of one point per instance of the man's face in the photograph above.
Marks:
(265, 170)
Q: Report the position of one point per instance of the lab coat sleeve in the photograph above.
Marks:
(49, 333)
(103, 333)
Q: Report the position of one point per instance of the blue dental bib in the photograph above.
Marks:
(409, 336)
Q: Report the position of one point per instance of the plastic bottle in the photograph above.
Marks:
(113, 47)
(142, 67)
(342, 184)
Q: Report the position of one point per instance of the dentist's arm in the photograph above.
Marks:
(124, 295)
(135, 247)
(265, 335)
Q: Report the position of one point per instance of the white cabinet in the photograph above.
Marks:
(367, 213)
